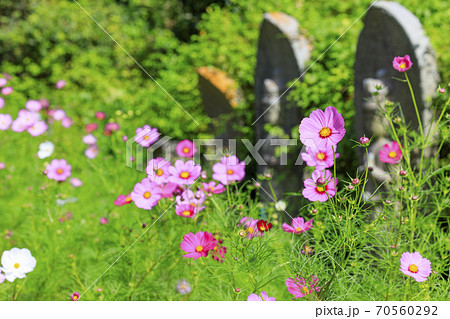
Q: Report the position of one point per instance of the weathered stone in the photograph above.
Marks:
(282, 54)
(391, 30)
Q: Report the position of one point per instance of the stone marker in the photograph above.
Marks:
(391, 30)
(281, 58)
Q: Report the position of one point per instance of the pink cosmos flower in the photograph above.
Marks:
(66, 122)
(321, 184)
(183, 287)
(319, 158)
(158, 170)
(212, 188)
(198, 245)
(229, 170)
(33, 105)
(146, 135)
(75, 296)
(58, 170)
(218, 253)
(186, 148)
(390, 154)
(44, 103)
(300, 287)
(19, 125)
(113, 127)
(75, 182)
(414, 265)
(251, 227)
(38, 128)
(91, 152)
(3, 82)
(5, 121)
(28, 118)
(322, 129)
(58, 115)
(91, 127)
(123, 200)
(104, 221)
(100, 115)
(146, 194)
(298, 226)
(168, 189)
(402, 64)
(89, 139)
(186, 210)
(2, 102)
(188, 197)
(60, 84)
(7, 90)
(184, 173)
(264, 297)
(2, 165)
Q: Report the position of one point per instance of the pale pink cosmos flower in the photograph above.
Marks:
(251, 227)
(38, 128)
(113, 127)
(66, 122)
(91, 152)
(263, 297)
(229, 170)
(104, 221)
(28, 118)
(89, 139)
(2, 102)
(298, 226)
(146, 135)
(75, 182)
(213, 188)
(414, 265)
(7, 90)
(33, 105)
(186, 148)
(58, 115)
(186, 210)
(146, 194)
(300, 287)
(322, 129)
(390, 154)
(184, 173)
(183, 287)
(3, 82)
(2, 165)
(5, 121)
(402, 63)
(60, 84)
(188, 197)
(169, 189)
(319, 158)
(158, 170)
(198, 245)
(58, 170)
(19, 125)
(320, 187)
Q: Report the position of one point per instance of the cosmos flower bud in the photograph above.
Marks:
(365, 141)
(355, 181)
(402, 172)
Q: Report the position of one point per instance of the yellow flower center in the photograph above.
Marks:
(325, 132)
(230, 171)
(128, 199)
(159, 172)
(320, 156)
(320, 189)
(16, 265)
(183, 287)
(146, 137)
(185, 150)
(184, 175)
(75, 297)
(250, 230)
(305, 290)
(392, 154)
(59, 171)
(147, 195)
(403, 65)
(298, 229)
(186, 213)
(413, 268)
(198, 248)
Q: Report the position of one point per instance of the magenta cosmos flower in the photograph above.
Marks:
(123, 200)
(319, 158)
(263, 297)
(321, 184)
(213, 188)
(158, 170)
(218, 253)
(414, 265)
(184, 173)
(322, 129)
(146, 194)
(5, 121)
(186, 148)
(186, 210)
(198, 245)
(300, 287)
(169, 189)
(390, 154)
(58, 170)
(229, 170)
(402, 63)
(75, 296)
(298, 226)
(146, 135)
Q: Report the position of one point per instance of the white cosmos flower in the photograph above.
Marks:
(16, 263)
(45, 149)
(280, 206)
